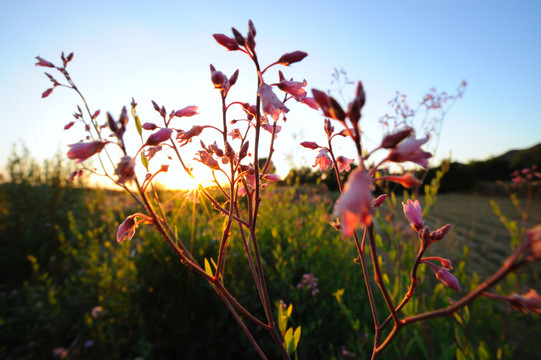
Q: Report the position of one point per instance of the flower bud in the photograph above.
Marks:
(226, 41)
(292, 57)
(310, 145)
(329, 129)
(380, 200)
(244, 150)
(159, 136)
(125, 170)
(83, 150)
(238, 37)
(187, 111)
(149, 126)
(44, 63)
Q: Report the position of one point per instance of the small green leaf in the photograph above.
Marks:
(482, 351)
(144, 160)
(288, 341)
(282, 320)
(466, 315)
(289, 310)
(137, 122)
(458, 318)
(208, 269)
(297, 336)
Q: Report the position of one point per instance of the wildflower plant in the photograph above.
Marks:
(235, 157)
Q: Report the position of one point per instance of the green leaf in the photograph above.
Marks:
(282, 320)
(458, 318)
(288, 341)
(482, 351)
(466, 315)
(144, 160)
(289, 310)
(297, 336)
(208, 269)
(137, 122)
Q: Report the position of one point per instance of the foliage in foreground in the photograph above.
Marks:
(97, 299)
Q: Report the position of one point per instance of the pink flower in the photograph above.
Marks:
(445, 277)
(126, 230)
(410, 150)
(323, 160)
(531, 301)
(226, 41)
(407, 180)
(309, 281)
(391, 140)
(271, 177)
(187, 111)
(268, 127)
(343, 163)
(74, 174)
(218, 79)
(196, 130)
(310, 145)
(271, 105)
(83, 150)
(192, 196)
(44, 63)
(292, 57)
(235, 134)
(125, 170)
(159, 136)
(61, 352)
(47, 92)
(207, 159)
(355, 204)
(95, 312)
(413, 213)
(310, 102)
(380, 200)
(149, 126)
(293, 88)
(533, 236)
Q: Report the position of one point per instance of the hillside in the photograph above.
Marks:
(481, 176)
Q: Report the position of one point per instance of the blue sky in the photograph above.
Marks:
(161, 50)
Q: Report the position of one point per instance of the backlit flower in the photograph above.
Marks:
(271, 105)
(125, 170)
(323, 160)
(343, 163)
(410, 150)
(533, 237)
(355, 204)
(126, 230)
(531, 301)
(445, 277)
(83, 150)
(413, 212)
(44, 63)
(187, 111)
(159, 136)
(293, 88)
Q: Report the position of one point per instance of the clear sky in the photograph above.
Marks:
(161, 50)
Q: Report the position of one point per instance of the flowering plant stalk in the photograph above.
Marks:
(235, 157)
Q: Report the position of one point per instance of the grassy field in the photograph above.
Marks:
(475, 225)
